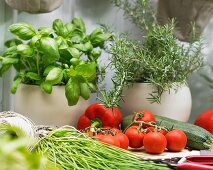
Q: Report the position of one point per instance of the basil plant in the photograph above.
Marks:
(63, 54)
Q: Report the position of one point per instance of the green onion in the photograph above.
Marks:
(71, 149)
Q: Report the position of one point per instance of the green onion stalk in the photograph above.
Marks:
(71, 149)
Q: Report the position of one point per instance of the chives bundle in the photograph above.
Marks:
(71, 149)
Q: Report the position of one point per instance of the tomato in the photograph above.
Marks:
(150, 129)
(109, 139)
(205, 120)
(154, 142)
(144, 115)
(98, 136)
(135, 137)
(123, 139)
(164, 132)
(116, 130)
(176, 140)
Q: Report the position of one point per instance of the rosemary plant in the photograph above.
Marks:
(160, 60)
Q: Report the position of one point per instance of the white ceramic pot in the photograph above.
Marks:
(47, 109)
(175, 104)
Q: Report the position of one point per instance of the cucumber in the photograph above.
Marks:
(198, 138)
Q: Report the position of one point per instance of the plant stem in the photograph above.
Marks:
(37, 63)
(119, 90)
(26, 64)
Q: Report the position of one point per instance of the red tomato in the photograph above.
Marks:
(154, 142)
(98, 136)
(176, 140)
(145, 116)
(115, 130)
(150, 129)
(135, 137)
(205, 120)
(109, 139)
(164, 132)
(123, 139)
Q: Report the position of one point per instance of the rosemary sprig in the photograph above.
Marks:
(124, 68)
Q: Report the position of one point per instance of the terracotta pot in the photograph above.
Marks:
(175, 104)
(47, 109)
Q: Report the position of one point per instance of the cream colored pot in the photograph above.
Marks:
(47, 109)
(175, 104)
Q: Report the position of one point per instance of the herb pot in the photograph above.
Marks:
(47, 109)
(175, 103)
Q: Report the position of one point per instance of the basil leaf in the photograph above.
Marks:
(88, 46)
(72, 91)
(46, 87)
(58, 27)
(63, 45)
(25, 50)
(55, 76)
(92, 87)
(60, 40)
(65, 53)
(47, 70)
(45, 31)
(74, 52)
(86, 70)
(4, 69)
(76, 38)
(35, 39)
(84, 47)
(9, 61)
(33, 76)
(74, 61)
(50, 48)
(68, 28)
(95, 53)
(22, 30)
(97, 37)
(12, 42)
(85, 91)
(97, 31)
(15, 85)
(79, 24)
(10, 51)
(79, 47)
